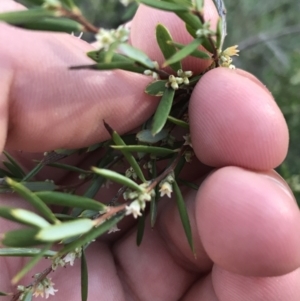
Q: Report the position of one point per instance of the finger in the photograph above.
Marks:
(235, 121)
(249, 222)
(143, 32)
(233, 287)
(50, 105)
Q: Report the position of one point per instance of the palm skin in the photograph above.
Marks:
(245, 220)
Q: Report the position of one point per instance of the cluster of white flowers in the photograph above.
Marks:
(44, 287)
(153, 73)
(139, 200)
(225, 57)
(68, 259)
(166, 185)
(130, 173)
(181, 78)
(106, 37)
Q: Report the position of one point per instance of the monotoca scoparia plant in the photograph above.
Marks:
(65, 223)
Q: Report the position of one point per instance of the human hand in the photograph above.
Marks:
(245, 220)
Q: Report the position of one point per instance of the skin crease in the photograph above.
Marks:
(245, 220)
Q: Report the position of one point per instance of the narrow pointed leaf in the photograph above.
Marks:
(190, 20)
(23, 216)
(69, 167)
(168, 50)
(154, 199)
(32, 199)
(196, 53)
(24, 16)
(34, 171)
(129, 157)
(126, 66)
(156, 88)
(70, 200)
(205, 42)
(136, 55)
(146, 136)
(93, 234)
(20, 238)
(188, 184)
(220, 37)
(40, 186)
(184, 52)
(28, 296)
(140, 229)
(163, 111)
(160, 151)
(13, 170)
(53, 24)
(84, 278)
(179, 122)
(164, 5)
(5, 294)
(183, 215)
(14, 163)
(65, 230)
(24, 252)
(30, 264)
(116, 177)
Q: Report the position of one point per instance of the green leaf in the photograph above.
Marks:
(156, 88)
(28, 295)
(5, 294)
(146, 136)
(179, 122)
(159, 151)
(116, 177)
(189, 184)
(15, 165)
(65, 230)
(93, 234)
(163, 111)
(129, 157)
(219, 34)
(84, 278)
(164, 5)
(30, 264)
(183, 215)
(32, 199)
(196, 53)
(127, 66)
(24, 16)
(23, 216)
(140, 229)
(34, 171)
(20, 238)
(168, 50)
(136, 55)
(154, 199)
(24, 252)
(205, 42)
(70, 200)
(190, 20)
(184, 52)
(40, 186)
(199, 5)
(53, 24)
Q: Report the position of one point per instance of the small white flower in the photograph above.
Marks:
(126, 2)
(134, 208)
(45, 287)
(113, 229)
(105, 38)
(188, 140)
(70, 258)
(166, 189)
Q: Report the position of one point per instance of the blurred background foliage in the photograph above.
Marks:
(268, 35)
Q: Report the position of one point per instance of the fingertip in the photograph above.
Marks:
(235, 121)
(249, 222)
